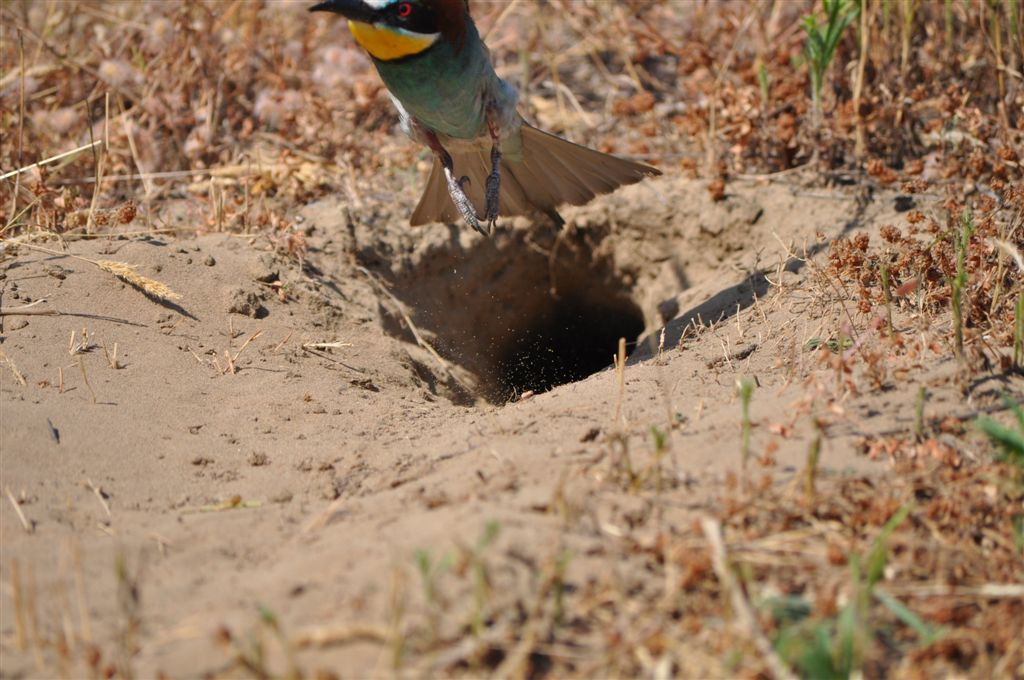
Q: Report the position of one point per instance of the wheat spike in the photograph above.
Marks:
(127, 273)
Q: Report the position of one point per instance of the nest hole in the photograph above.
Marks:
(571, 337)
(516, 316)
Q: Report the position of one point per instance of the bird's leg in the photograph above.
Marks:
(493, 186)
(459, 198)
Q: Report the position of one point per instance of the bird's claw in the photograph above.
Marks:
(456, 188)
(461, 201)
(492, 190)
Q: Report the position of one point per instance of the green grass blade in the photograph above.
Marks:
(1016, 410)
(926, 633)
(879, 554)
(1011, 443)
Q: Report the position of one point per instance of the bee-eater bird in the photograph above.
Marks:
(488, 161)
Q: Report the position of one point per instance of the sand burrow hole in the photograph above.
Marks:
(525, 310)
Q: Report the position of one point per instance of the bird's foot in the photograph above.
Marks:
(493, 189)
(461, 201)
(455, 186)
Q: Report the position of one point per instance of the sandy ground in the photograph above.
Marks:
(290, 434)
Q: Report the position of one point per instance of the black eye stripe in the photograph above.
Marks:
(412, 16)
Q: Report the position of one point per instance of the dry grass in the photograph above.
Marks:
(127, 273)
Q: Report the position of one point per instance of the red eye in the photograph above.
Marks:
(404, 9)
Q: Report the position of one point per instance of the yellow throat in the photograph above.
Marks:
(386, 44)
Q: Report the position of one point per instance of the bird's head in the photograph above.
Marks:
(396, 29)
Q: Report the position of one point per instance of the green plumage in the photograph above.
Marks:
(445, 90)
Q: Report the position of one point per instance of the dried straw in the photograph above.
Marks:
(14, 369)
(122, 270)
(127, 273)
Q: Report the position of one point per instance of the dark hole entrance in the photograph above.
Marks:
(571, 339)
(518, 312)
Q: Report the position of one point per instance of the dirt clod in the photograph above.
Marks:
(245, 302)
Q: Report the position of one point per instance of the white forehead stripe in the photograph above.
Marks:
(378, 4)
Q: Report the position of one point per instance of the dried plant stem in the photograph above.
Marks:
(17, 509)
(1018, 333)
(620, 373)
(29, 310)
(246, 344)
(14, 369)
(330, 636)
(21, 123)
(1002, 248)
(99, 495)
(907, 10)
(858, 83)
(997, 48)
(281, 344)
(948, 20)
(12, 221)
(919, 402)
(984, 590)
(111, 357)
(98, 160)
(85, 377)
(741, 608)
(20, 622)
(319, 345)
(127, 125)
(232, 503)
(887, 296)
(52, 159)
(1016, 34)
(83, 609)
(33, 620)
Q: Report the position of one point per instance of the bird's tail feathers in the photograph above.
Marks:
(551, 172)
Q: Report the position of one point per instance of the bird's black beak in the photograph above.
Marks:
(355, 10)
